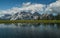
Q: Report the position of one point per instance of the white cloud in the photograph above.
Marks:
(25, 7)
(26, 4)
(33, 8)
(53, 8)
(58, 0)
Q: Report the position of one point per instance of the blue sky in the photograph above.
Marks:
(7, 4)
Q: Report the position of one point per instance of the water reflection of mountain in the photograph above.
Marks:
(34, 24)
(24, 30)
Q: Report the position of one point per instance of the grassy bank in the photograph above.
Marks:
(29, 21)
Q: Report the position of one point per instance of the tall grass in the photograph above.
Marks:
(29, 21)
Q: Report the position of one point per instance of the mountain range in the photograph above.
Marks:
(29, 16)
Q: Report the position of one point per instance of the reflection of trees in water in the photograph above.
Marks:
(35, 24)
(58, 25)
(27, 24)
(7, 23)
(23, 24)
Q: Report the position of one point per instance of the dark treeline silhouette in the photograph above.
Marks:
(49, 17)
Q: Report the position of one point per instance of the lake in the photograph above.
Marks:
(28, 30)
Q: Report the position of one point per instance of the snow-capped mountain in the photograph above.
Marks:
(21, 15)
(5, 17)
(32, 11)
(28, 16)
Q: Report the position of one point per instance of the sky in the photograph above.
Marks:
(7, 4)
(40, 6)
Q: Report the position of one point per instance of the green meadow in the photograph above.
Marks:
(29, 21)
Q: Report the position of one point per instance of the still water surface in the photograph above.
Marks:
(29, 30)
